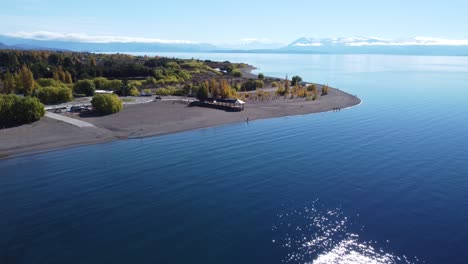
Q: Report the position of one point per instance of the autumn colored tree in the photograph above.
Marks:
(68, 78)
(25, 80)
(286, 85)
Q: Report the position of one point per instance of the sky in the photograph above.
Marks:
(224, 22)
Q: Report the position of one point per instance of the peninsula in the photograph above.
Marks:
(159, 96)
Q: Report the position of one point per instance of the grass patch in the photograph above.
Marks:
(128, 100)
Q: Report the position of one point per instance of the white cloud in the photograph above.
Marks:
(81, 37)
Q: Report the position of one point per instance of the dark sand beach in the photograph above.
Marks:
(155, 118)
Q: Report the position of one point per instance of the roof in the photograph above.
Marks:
(103, 92)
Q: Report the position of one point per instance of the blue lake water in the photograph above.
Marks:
(383, 182)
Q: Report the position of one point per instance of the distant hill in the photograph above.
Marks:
(23, 43)
(3, 46)
(350, 45)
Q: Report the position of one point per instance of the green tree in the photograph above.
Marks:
(54, 95)
(106, 104)
(296, 80)
(85, 87)
(8, 84)
(202, 92)
(16, 110)
(261, 76)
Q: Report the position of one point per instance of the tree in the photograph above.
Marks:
(325, 90)
(202, 93)
(85, 87)
(26, 80)
(106, 104)
(8, 84)
(296, 80)
(16, 110)
(261, 76)
(312, 88)
(54, 95)
(68, 78)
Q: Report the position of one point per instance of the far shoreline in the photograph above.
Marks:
(155, 119)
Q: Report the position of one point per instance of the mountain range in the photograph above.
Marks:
(349, 45)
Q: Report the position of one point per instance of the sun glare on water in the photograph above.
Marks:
(317, 235)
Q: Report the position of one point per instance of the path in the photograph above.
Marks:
(68, 120)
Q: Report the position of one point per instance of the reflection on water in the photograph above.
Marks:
(316, 234)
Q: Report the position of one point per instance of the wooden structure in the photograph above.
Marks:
(229, 104)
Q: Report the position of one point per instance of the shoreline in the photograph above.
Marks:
(154, 119)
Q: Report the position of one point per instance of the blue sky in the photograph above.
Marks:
(231, 21)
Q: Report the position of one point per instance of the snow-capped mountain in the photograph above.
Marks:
(416, 46)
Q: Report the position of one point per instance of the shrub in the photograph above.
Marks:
(236, 73)
(15, 110)
(312, 88)
(100, 83)
(261, 76)
(45, 82)
(134, 92)
(113, 85)
(251, 85)
(274, 84)
(106, 104)
(296, 80)
(86, 87)
(54, 95)
(325, 90)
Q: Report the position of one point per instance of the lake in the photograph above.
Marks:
(382, 182)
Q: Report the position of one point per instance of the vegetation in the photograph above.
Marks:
(86, 87)
(274, 84)
(296, 80)
(251, 85)
(312, 88)
(106, 104)
(54, 95)
(261, 76)
(325, 89)
(236, 73)
(17, 110)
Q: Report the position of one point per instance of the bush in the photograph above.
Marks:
(261, 76)
(113, 85)
(296, 80)
(274, 84)
(100, 83)
(325, 90)
(86, 87)
(171, 91)
(16, 110)
(45, 82)
(312, 88)
(106, 104)
(251, 85)
(134, 92)
(54, 95)
(236, 73)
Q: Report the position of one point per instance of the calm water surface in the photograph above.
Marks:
(384, 182)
